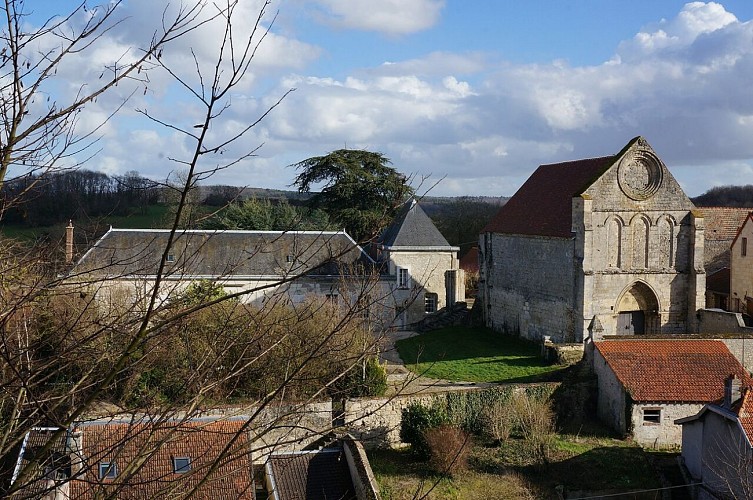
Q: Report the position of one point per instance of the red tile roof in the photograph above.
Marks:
(690, 371)
(748, 217)
(201, 442)
(745, 413)
(543, 204)
(469, 261)
(722, 223)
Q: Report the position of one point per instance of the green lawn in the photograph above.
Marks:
(475, 355)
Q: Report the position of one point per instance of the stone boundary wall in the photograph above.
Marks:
(718, 321)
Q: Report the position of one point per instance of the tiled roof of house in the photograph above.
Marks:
(412, 228)
(469, 261)
(44, 456)
(744, 412)
(138, 252)
(543, 204)
(157, 445)
(748, 219)
(672, 370)
(722, 223)
(311, 475)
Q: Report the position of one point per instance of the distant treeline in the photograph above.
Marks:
(34, 201)
(726, 196)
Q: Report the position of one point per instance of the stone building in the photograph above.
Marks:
(126, 262)
(414, 270)
(423, 265)
(610, 243)
(721, 225)
(741, 269)
(717, 445)
(645, 385)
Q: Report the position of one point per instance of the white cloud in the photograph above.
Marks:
(390, 17)
(484, 123)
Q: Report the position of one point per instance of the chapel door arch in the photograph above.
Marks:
(638, 310)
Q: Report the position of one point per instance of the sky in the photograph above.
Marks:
(466, 96)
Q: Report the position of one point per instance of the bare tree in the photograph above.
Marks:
(66, 354)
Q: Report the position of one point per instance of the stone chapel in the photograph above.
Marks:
(611, 245)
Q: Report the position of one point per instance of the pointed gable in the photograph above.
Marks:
(413, 228)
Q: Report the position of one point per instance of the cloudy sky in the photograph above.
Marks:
(474, 92)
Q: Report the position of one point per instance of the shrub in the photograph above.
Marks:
(449, 447)
(534, 419)
(416, 419)
(498, 420)
(467, 409)
(367, 383)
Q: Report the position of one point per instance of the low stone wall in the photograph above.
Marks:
(718, 321)
(376, 422)
(280, 428)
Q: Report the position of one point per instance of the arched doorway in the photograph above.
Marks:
(638, 311)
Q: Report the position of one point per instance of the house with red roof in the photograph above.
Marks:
(721, 226)
(645, 385)
(741, 268)
(611, 241)
(717, 444)
(140, 458)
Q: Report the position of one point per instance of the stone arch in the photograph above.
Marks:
(638, 310)
(639, 230)
(614, 225)
(667, 229)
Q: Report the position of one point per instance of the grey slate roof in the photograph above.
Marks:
(311, 475)
(211, 254)
(46, 466)
(413, 228)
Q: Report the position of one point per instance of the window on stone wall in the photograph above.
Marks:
(651, 416)
(744, 247)
(430, 302)
(403, 278)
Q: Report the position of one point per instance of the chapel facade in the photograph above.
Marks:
(610, 245)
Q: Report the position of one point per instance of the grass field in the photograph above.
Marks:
(475, 355)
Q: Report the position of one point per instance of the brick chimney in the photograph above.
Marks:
(732, 391)
(69, 242)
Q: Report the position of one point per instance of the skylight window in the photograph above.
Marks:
(108, 470)
(181, 465)
(171, 257)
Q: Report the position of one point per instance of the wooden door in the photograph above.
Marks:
(631, 323)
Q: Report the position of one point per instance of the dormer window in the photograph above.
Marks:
(181, 465)
(170, 257)
(289, 259)
(108, 470)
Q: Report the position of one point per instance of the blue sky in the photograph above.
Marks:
(477, 92)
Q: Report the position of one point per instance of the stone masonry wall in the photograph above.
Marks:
(427, 274)
(527, 286)
(611, 399)
(741, 269)
(376, 422)
(666, 433)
